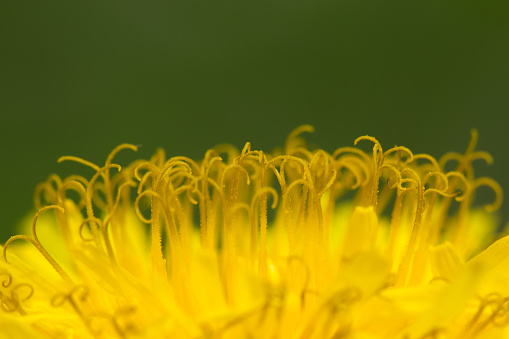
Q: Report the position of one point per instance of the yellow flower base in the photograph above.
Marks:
(297, 243)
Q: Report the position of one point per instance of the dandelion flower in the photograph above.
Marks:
(296, 243)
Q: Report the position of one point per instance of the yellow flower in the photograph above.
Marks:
(247, 244)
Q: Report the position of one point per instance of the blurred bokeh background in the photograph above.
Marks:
(80, 77)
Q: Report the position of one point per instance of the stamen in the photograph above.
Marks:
(500, 318)
(367, 137)
(158, 158)
(193, 163)
(280, 176)
(482, 156)
(166, 171)
(20, 286)
(493, 302)
(432, 160)
(384, 196)
(137, 204)
(100, 190)
(409, 155)
(78, 294)
(395, 171)
(262, 259)
(210, 163)
(75, 186)
(246, 149)
(352, 150)
(467, 190)
(49, 188)
(302, 294)
(286, 199)
(474, 137)
(465, 161)
(377, 160)
(156, 251)
(228, 149)
(144, 180)
(228, 240)
(450, 156)
(230, 167)
(306, 154)
(328, 183)
(122, 328)
(82, 226)
(358, 178)
(7, 282)
(150, 167)
(38, 245)
(79, 160)
(436, 174)
(89, 208)
(293, 140)
(118, 149)
(9, 305)
(304, 165)
(495, 187)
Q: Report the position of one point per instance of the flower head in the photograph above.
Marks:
(297, 243)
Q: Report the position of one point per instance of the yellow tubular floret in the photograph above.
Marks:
(297, 243)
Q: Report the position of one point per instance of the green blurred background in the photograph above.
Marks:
(80, 77)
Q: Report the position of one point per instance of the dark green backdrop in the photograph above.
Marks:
(79, 77)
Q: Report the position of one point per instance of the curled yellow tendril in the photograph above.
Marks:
(292, 141)
(7, 282)
(247, 181)
(484, 181)
(35, 241)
